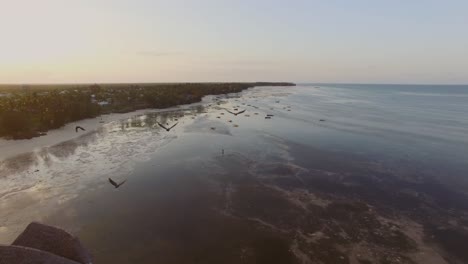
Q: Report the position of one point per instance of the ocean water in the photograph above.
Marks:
(252, 182)
(429, 112)
(423, 124)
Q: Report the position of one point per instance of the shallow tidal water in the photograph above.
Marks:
(339, 174)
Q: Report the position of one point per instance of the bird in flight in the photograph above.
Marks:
(238, 113)
(167, 129)
(78, 128)
(116, 185)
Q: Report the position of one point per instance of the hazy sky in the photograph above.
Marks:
(372, 41)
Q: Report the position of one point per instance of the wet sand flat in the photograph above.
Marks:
(290, 189)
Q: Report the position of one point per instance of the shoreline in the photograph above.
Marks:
(31, 111)
(10, 148)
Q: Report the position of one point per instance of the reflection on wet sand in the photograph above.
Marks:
(56, 174)
(182, 216)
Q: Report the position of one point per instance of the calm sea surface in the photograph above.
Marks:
(423, 124)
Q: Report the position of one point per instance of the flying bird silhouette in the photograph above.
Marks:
(167, 129)
(116, 185)
(238, 113)
(78, 128)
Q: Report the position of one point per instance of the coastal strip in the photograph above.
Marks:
(28, 111)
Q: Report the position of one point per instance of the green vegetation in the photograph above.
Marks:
(30, 111)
